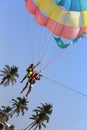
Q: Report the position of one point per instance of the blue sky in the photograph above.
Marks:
(18, 34)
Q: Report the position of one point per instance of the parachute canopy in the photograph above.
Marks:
(64, 18)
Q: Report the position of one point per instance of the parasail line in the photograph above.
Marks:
(55, 58)
(32, 41)
(66, 87)
(46, 43)
(44, 46)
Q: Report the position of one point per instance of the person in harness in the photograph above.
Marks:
(30, 71)
(32, 80)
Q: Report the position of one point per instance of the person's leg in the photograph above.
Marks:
(23, 79)
(24, 87)
(30, 87)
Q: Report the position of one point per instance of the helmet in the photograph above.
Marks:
(32, 65)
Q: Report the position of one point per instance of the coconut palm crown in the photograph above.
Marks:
(19, 106)
(40, 117)
(9, 75)
(5, 112)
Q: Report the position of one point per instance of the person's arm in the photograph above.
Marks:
(38, 78)
(28, 68)
(37, 64)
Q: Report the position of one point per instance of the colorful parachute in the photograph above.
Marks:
(64, 18)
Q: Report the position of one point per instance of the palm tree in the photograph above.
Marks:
(9, 75)
(19, 105)
(5, 112)
(40, 117)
